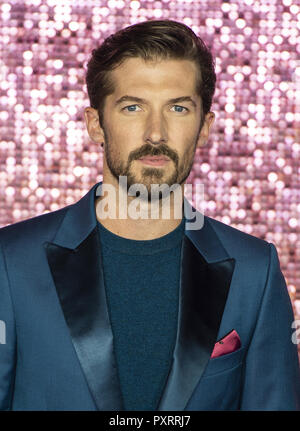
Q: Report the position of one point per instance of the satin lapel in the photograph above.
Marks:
(203, 293)
(78, 277)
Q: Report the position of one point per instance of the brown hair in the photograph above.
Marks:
(149, 40)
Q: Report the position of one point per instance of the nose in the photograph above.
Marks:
(156, 129)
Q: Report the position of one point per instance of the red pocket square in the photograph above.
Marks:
(228, 344)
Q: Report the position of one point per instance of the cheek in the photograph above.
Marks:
(185, 132)
(125, 135)
(187, 142)
(188, 153)
(118, 146)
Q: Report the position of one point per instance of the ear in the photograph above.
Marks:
(93, 126)
(204, 133)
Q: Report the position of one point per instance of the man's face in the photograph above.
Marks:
(154, 112)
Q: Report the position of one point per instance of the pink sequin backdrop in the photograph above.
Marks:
(249, 169)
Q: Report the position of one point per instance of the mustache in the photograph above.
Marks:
(150, 150)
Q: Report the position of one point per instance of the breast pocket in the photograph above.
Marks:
(225, 362)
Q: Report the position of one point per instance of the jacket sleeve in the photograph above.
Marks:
(271, 378)
(7, 339)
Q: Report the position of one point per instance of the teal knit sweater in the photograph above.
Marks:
(142, 287)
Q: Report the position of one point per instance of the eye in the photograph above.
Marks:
(130, 108)
(180, 109)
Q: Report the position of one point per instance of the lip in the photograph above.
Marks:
(154, 160)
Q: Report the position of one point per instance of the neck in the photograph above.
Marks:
(135, 218)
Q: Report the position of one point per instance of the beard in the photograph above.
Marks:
(151, 175)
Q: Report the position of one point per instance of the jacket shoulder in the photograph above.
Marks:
(239, 242)
(42, 227)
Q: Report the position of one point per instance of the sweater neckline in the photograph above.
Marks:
(115, 242)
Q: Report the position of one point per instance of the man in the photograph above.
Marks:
(105, 310)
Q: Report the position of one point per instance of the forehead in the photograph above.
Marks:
(163, 77)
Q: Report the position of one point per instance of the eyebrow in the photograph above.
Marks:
(139, 100)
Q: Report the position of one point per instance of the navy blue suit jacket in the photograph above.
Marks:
(58, 351)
